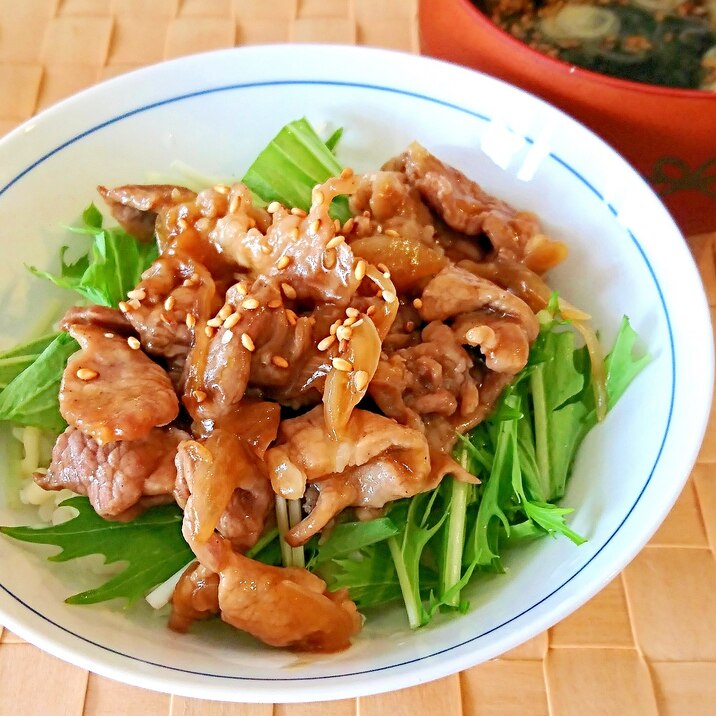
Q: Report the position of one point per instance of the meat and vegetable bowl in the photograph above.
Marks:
(286, 401)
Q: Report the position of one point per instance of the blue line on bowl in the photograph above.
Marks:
(433, 100)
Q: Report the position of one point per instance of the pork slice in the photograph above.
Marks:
(136, 206)
(117, 475)
(455, 291)
(374, 461)
(109, 319)
(111, 392)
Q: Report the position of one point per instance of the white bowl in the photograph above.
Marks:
(214, 112)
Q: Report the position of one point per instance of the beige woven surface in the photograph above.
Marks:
(644, 645)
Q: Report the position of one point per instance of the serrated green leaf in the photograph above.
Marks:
(113, 265)
(151, 544)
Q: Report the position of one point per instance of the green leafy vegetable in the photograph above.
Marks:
(333, 140)
(14, 361)
(112, 266)
(523, 453)
(31, 397)
(621, 364)
(369, 575)
(293, 163)
(151, 544)
(349, 537)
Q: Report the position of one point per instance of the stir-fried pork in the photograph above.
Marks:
(430, 377)
(112, 391)
(195, 597)
(455, 291)
(286, 607)
(109, 319)
(407, 322)
(373, 461)
(232, 492)
(136, 207)
(469, 209)
(115, 476)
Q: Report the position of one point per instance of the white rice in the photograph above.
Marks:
(37, 449)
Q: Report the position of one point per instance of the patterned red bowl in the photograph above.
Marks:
(668, 134)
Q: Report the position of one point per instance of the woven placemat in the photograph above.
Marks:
(645, 645)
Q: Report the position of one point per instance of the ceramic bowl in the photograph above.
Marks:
(213, 113)
(667, 134)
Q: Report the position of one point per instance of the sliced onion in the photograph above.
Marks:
(710, 56)
(581, 22)
(658, 5)
(161, 595)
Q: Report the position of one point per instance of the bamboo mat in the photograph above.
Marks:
(645, 645)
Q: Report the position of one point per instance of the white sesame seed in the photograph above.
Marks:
(226, 338)
(273, 207)
(360, 270)
(241, 288)
(299, 212)
(265, 249)
(283, 262)
(138, 293)
(133, 343)
(86, 374)
(318, 197)
(199, 396)
(291, 317)
(335, 241)
(169, 303)
(388, 297)
(346, 173)
(123, 307)
(275, 303)
(288, 291)
(417, 303)
(352, 312)
(176, 195)
(225, 311)
(326, 343)
(134, 303)
(344, 333)
(348, 226)
(391, 232)
(315, 226)
(182, 224)
(222, 189)
(214, 322)
(209, 331)
(232, 320)
(247, 343)
(329, 259)
(190, 320)
(250, 304)
(109, 335)
(234, 205)
(360, 380)
(279, 361)
(342, 364)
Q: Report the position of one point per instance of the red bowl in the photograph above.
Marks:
(668, 134)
